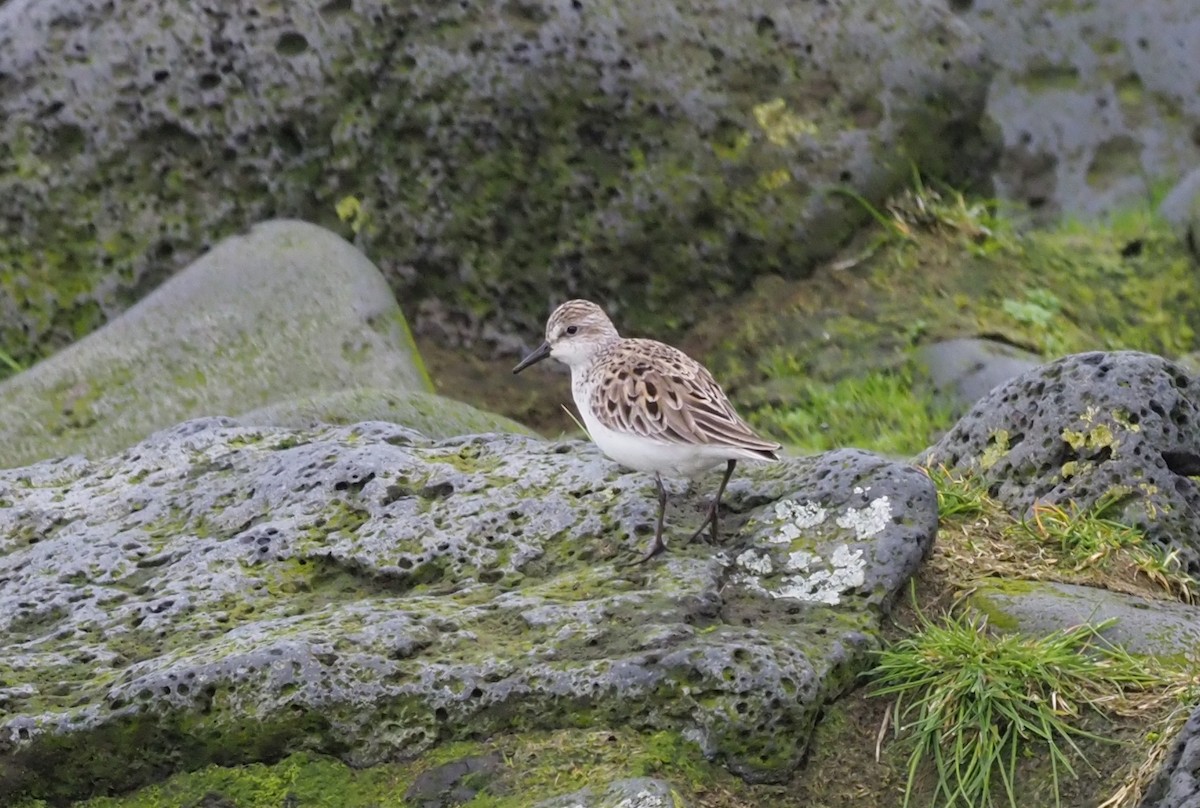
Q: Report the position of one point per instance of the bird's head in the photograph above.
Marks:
(575, 331)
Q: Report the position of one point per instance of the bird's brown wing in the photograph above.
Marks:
(651, 389)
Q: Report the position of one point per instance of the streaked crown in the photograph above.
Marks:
(579, 318)
(577, 329)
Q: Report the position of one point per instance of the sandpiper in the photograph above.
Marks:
(648, 406)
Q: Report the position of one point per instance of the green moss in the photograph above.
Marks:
(535, 766)
(129, 752)
(823, 362)
(996, 616)
(879, 410)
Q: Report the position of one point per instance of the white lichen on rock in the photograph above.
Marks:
(846, 571)
(753, 562)
(796, 517)
(810, 577)
(868, 521)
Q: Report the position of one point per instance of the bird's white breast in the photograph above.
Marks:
(640, 453)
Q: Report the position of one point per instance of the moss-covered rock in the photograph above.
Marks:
(1142, 626)
(287, 310)
(432, 415)
(223, 594)
(488, 156)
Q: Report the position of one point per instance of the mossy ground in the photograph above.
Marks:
(538, 766)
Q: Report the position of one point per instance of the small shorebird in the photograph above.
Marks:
(647, 405)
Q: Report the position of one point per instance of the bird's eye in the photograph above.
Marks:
(572, 330)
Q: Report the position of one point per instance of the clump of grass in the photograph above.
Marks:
(1057, 542)
(948, 212)
(960, 495)
(879, 411)
(1090, 539)
(923, 209)
(972, 703)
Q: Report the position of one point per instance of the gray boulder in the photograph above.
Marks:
(1094, 103)
(503, 155)
(1038, 608)
(965, 370)
(428, 413)
(220, 592)
(285, 311)
(1087, 427)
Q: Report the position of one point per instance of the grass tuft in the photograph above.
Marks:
(978, 539)
(1088, 538)
(959, 495)
(972, 703)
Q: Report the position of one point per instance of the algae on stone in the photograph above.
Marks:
(227, 593)
(628, 160)
(288, 309)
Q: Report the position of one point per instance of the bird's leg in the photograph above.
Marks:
(715, 508)
(659, 545)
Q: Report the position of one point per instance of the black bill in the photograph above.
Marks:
(536, 355)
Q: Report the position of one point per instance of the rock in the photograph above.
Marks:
(965, 370)
(453, 783)
(1178, 783)
(221, 592)
(1181, 207)
(1092, 103)
(286, 310)
(1038, 608)
(1088, 427)
(637, 792)
(432, 415)
(497, 158)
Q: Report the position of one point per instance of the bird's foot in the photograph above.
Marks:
(657, 547)
(710, 521)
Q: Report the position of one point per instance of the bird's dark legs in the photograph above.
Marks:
(711, 519)
(659, 545)
(715, 508)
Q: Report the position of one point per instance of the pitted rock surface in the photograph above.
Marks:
(500, 152)
(1091, 426)
(1178, 783)
(1094, 104)
(223, 592)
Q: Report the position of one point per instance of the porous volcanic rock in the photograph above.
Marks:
(1178, 783)
(1090, 427)
(1094, 103)
(640, 151)
(220, 592)
(636, 792)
